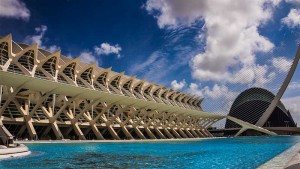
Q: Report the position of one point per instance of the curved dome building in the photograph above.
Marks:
(250, 105)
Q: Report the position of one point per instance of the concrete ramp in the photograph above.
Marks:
(247, 126)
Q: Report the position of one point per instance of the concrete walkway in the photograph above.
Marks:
(284, 159)
(21, 150)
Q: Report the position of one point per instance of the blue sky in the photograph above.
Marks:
(212, 49)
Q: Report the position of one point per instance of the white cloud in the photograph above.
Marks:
(216, 92)
(178, 85)
(231, 36)
(282, 64)
(38, 38)
(88, 57)
(154, 69)
(293, 1)
(172, 13)
(294, 85)
(52, 48)
(293, 18)
(106, 49)
(292, 104)
(194, 89)
(217, 99)
(14, 9)
(154, 57)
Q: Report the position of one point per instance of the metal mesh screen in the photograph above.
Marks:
(248, 101)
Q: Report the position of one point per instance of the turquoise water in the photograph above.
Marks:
(247, 152)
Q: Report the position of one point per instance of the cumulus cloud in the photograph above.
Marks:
(294, 85)
(14, 9)
(292, 104)
(293, 1)
(231, 36)
(38, 38)
(195, 89)
(106, 49)
(292, 19)
(282, 64)
(216, 92)
(178, 85)
(218, 98)
(88, 57)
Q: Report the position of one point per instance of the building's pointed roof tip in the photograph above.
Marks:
(198, 97)
(161, 86)
(57, 53)
(8, 36)
(193, 96)
(201, 99)
(34, 46)
(142, 81)
(93, 65)
(151, 84)
(109, 69)
(76, 59)
(188, 95)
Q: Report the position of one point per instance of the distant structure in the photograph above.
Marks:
(250, 106)
(264, 109)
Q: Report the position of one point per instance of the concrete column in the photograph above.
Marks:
(113, 132)
(46, 131)
(240, 131)
(21, 131)
(204, 133)
(199, 133)
(66, 133)
(78, 131)
(188, 133)
(53, 122)
(96, 132)
(139, 133)
(150, 134)
(159, 133)
(175, 133)
(208, 133)
(30, 129)
(182, 133)
(127, 133)
(194, 133)
(56, 131)
(166, 131)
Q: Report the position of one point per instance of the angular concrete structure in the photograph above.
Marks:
(48, 96)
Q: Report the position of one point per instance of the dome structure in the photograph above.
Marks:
(250, 105)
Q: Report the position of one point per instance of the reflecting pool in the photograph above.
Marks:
(246, 152)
